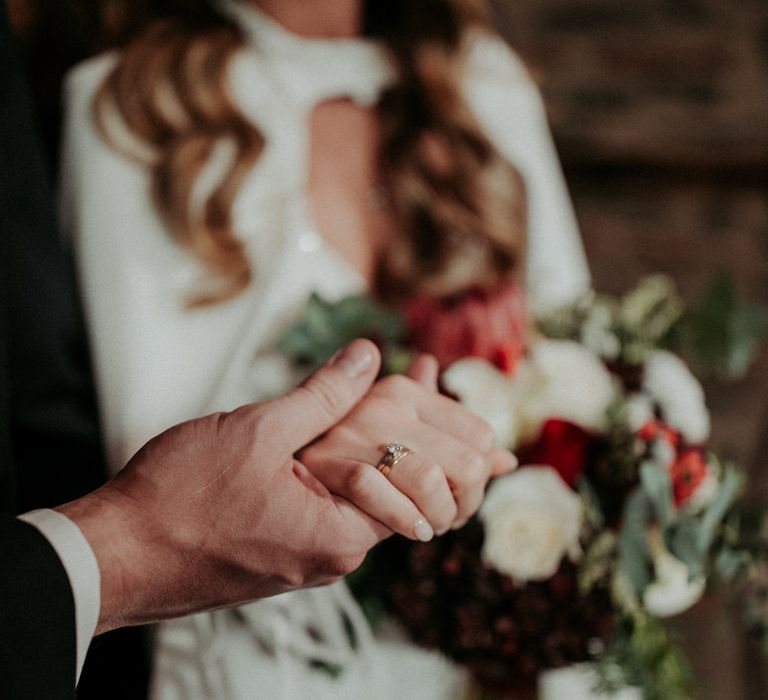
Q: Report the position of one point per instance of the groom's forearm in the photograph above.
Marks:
(108, 531)
(146, 573)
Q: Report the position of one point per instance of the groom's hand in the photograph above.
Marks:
(216, 511)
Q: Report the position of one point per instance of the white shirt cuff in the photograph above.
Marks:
(82, 569)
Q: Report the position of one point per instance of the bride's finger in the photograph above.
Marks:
(424, 482)
(452, 418)
(437, 410)
(371, 492)
(425, 370)
(502, 461)
(466, 470)
(468, 505)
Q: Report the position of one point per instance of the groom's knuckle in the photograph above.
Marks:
(341, 564)
(262, 428)
(295, 578)
(325, 395)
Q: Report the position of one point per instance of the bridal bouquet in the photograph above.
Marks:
(619, 515)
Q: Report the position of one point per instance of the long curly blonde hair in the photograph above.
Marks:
(458, 205)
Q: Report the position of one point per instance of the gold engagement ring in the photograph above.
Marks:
(394, 452)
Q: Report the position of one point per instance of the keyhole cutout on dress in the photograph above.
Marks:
(342, 183)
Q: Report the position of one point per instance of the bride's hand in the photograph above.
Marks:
(439, 484)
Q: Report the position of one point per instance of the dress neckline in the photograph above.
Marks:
(313, 69)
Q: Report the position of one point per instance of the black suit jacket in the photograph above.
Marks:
(37, 617)
(39, 433)
(50, 448)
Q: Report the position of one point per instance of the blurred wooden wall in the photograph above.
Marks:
(660, 112)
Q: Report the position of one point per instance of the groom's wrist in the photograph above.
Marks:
(113, 530)
(82, 570)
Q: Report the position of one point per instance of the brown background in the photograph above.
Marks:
(660, 112)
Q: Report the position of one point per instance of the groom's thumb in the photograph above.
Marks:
(328, 395)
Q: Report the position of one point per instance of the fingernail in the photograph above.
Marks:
(353, 360)
(458, 526)
(513, 462)
(423, 530)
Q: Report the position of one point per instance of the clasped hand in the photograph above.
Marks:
(283, 494)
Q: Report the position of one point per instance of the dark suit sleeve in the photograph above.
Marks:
(53, 446)
(37, 617)
(50, 448)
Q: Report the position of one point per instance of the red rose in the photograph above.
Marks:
(687, 472)
(657, 430)
(491, 324)
(562, 446)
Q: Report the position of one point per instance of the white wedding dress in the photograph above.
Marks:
(158, 363)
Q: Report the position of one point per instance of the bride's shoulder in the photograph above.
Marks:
(501, 93)
(246, 73)
(494, 75)
(492, 61)
(85, 78)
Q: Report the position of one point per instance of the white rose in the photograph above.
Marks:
(487, 393)
(638, 410)
(531, 519)
(670, 383)
(663, 454)
(566, 381)
(673, 591)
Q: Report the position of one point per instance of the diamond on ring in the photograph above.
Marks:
(394, 452)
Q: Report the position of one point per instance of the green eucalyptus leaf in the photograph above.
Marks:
(643, 654)
(598, 561)
(721, 334)
(729, 563)
(592, 511)
(683, 542)
(634, 560)
(658, 486)
(730, 488)
(327, 326)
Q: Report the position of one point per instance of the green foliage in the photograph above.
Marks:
(643, 654)
(721, 335)
(634, 561)
(599, 561)
(683, 541)
(729, 563)
(592, 511)
(646, 315)
(657, 485)
(328, 326)
(730, 488)
(732, 557)
(624, 330)
(689, 537)
(744, 560)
